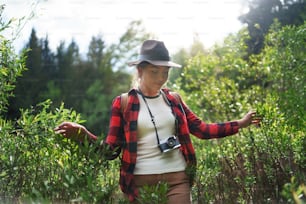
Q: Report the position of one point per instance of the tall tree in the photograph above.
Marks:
(48, 67)
(101, 86)
(31, 83)
(68, 63)
(262, 14)
(112, 77)
(48, 59)
(95, 51)
(129, 44)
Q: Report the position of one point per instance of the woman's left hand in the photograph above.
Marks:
(249, 119)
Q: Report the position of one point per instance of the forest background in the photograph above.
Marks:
(260, 67)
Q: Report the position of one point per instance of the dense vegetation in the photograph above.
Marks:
(259, 165)
(67, 76)
(261, 15)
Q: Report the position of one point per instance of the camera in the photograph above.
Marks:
(169, 144)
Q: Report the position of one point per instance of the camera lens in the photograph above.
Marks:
(171, 142)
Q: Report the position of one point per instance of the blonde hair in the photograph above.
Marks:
(136, 79)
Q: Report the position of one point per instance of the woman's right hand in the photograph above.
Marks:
(249, 119)
(71, 130)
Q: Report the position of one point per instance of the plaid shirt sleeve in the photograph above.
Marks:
(122, 135)
(114, 140)
(204, 130)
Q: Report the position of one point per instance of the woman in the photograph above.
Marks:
(153, 130)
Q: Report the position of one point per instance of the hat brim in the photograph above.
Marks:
(157, 63)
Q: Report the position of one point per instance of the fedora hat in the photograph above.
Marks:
(156, 53)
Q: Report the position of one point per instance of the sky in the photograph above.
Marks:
(176, 22)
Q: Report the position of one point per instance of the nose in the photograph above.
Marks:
(162, 77)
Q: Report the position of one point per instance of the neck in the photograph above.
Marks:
(149, 92)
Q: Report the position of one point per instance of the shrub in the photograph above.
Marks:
(258, 164)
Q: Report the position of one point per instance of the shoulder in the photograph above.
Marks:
(130, 92)
(170, 92)
(125, 98)
(125, 94)
(172, 95)
(165, 90)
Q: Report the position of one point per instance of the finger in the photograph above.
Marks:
(64, 125)
(64, 134)
(256, 118)
(256, 122)
(60, 131)
(58, 127)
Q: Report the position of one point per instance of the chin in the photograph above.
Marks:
(159, 86)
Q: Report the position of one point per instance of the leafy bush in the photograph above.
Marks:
(257, 165)
(11, 66)
(36, 164)
(285, 58)
(154, 194)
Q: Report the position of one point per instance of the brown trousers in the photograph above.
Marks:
(179, 191)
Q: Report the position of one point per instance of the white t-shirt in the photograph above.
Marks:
(150, 160)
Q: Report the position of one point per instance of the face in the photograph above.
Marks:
(153, 77)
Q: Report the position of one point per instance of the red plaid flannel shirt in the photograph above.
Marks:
(122, 136)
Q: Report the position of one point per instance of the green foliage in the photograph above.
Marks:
(128, 46)
(11, 66)
(298, 191)
(261, 15)
(154, 194)
(256, 166)
(220, 80)
(285, 56)
(33, 83)
(81, 83)
(182, 57)
(37, 165)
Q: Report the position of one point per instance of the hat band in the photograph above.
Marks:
(154, 58)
